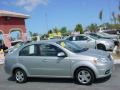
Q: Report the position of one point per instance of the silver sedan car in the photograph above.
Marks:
(88, 41)
(58, 59)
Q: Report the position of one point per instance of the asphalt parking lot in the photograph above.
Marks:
(8, 83)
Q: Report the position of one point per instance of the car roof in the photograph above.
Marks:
(46, 41)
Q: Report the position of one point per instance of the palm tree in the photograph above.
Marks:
(92, 27)
(79, 28)
(114, 19)
(101, 15)
(119, 5)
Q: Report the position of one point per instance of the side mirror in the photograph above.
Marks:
(61, 54)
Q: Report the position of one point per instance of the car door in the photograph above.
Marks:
(82, 41)
(29, 59)
(51, 64)
(41, 59)
(85, 41)
(91, 43)
(78, 40)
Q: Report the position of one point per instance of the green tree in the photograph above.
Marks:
(49, 32)
(55, 30)
(79, 28)
(114, 18)
(110, 26)
(30, 33)
(92, 27)
(35, 34)
(64, 31)
(106, 25)
(118, 18)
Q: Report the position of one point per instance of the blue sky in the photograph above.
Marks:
(47, 14)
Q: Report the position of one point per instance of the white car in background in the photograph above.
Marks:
(115, 38)
(88, 41)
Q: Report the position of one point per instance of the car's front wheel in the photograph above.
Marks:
(20, 76)
(84, 76)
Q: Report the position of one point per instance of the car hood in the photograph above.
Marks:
(95, 53)
(103, 39)
(110, 41)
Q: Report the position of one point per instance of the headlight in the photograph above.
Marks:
(100, 61)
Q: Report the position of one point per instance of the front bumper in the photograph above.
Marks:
(104, 70)
(110, 47)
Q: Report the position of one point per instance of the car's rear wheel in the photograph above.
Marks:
(101, 47)
(84, 76)
(20, 76)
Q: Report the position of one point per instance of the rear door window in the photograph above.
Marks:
(30, 50)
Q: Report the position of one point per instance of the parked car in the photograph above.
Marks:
(113, 32)
(88, 41)
(15, 46)
(58, 59)
(115, 38)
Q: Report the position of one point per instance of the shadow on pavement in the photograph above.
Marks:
(102, 80)
(59, 80)
(51, 80)
(11, 79)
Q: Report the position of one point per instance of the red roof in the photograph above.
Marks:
(13, 14)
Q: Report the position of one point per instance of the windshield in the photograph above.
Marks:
(104, 34)
(71, 46)
(97, 36)
(94, 37)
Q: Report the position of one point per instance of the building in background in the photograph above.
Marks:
(12, 21)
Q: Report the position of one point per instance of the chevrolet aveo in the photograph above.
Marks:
(58, 59)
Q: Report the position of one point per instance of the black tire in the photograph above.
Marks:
(82, 79)
(20, 76)
(101, 47)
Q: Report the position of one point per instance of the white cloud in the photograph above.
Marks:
(29, 5)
